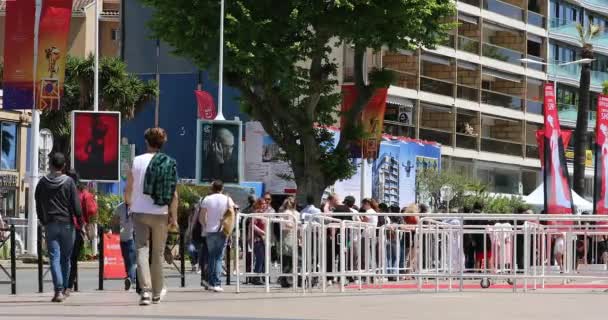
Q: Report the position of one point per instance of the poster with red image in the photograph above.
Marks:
(95, 145)
(600, 198)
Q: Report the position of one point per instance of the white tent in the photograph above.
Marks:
(537, 199)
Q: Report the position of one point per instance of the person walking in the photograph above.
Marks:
(88, 206)
(214, 209)
(151, 194)
(124, 219)
(57, 205)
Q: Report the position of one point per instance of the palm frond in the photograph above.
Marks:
(581, 33)
(594, 31)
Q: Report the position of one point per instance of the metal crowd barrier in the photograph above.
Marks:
(444, 248)
(12, 274)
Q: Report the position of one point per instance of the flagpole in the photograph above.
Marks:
(96, 72)
(32, 222)
(220, 104)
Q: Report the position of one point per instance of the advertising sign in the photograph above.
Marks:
(95, 145)
(600, 195)
(113, 264)
(219, 151)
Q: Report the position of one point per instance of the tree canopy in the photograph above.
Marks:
(279, 55)
(118, 89)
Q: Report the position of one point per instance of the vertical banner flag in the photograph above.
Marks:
(540, 140)
(18, 78)
(372, 120)
(600, 194)
(52, 51)
(205, 104)
(113, 264)
(558, 195)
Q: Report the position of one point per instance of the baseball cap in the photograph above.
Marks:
(349, 200)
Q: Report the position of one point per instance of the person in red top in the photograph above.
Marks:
(89, 210)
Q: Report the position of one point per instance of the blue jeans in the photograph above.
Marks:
(60, 241)
(259, 248)
(391, 257)
(216, 242)
(127, 248)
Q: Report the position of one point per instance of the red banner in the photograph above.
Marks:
(600, 195)
(205, 104)
(349, 96)
(558, 195)
(52, 52)
(372, 121)
(566, 135)
(113, 265)
(18, 78)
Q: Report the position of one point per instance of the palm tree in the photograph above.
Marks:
(582, 120)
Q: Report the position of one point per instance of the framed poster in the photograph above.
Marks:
(219, 151)
(96, 145)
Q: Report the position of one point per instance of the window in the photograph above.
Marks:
(7, 201)
(501, 135)
(115, 34)
(8, 144)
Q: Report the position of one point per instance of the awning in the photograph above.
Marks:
(400, 101)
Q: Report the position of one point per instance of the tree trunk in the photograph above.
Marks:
(582, 123)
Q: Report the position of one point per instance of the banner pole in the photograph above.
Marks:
(96, 80)
(32, 223)
(220, 95)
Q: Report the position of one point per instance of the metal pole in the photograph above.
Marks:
(101, 258)
(157, 102)
(13, 261)
(220, 95)
(182, 254)
(96, 71)
(32, 223)
(40, 262)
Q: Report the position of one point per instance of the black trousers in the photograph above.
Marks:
(78, 244)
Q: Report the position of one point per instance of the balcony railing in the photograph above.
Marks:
(563, 27)
(437, 86)
(468, 45)
(501, 146)
(535, 107)
(535, 66)
(449, 42)
(475, 3)
(573, 72)
(502, 100)
(569, 112)
(405, 79)
(466, 141)
(536, 19)
(443, 137)
(502, 54)
(505, 9)
(532, 151)
(467, 93)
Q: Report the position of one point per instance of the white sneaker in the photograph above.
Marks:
(205, 284)
(217, 289)
(330, 283)
(145, 299)
(163, 294)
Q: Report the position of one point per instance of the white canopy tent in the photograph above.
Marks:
(537, 199)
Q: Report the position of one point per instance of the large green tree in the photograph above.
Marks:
(278, 54)
(118, 89)
(582, 118)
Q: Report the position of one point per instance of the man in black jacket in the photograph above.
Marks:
(58, 205)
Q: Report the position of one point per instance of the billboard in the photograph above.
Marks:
(600, 194)
(96, 145)
(218, 151)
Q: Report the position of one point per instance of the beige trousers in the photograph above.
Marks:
(150, 227)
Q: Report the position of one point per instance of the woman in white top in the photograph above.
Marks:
(288, 243)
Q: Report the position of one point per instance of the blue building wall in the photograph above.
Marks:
(178, 80)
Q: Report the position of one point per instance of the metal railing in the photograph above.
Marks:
(5, 240)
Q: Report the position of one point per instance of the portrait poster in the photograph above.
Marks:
(600, 195)
(558, 195)
(96, 145)
(18, 75)
(219, 151)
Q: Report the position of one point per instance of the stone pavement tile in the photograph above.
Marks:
(190, 304)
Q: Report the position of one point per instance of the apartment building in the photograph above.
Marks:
(475, 95)
(385, 187)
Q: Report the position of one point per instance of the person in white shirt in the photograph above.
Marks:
(151, 221)
(212, 211)
(308, 213)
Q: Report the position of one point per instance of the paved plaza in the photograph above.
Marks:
(280, 304)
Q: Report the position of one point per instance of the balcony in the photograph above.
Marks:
(474, 3)
(466, 141)
(404, 79)
(535, 107)
(535, 66)
(564, 27)
(532, 151)
(501, 146)
(467, 93)
(440, 136)
(536, 19)
(437, 86)
(468, 45)
(569, 113)
(573, 72)
(501, 100)
(502, 54)
(505, 9)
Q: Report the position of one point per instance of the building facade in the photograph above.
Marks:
(385, 187)
(475, 95)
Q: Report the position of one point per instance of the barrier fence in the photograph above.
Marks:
(523, 251)
(6, 240)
